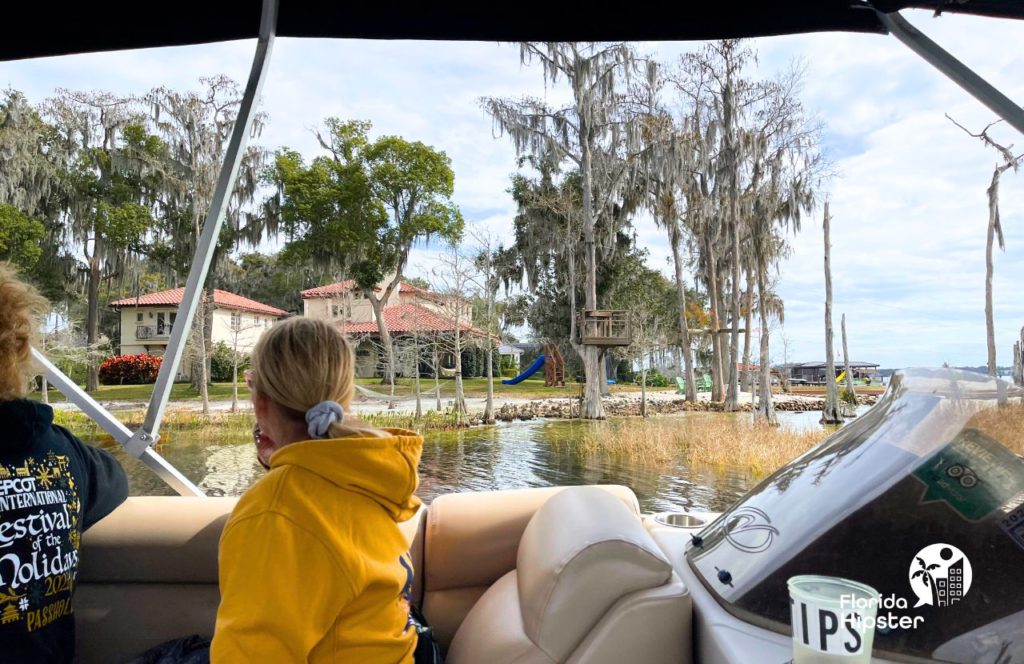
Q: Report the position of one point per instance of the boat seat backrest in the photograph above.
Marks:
(471, 540)
(149, 574)
(589, 585)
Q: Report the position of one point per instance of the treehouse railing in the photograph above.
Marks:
(603, 327)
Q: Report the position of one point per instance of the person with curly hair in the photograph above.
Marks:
(52, 488)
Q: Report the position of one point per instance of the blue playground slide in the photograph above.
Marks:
(533, 368)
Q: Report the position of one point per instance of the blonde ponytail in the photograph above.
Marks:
(301, 362)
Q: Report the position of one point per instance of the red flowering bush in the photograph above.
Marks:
(130, 369)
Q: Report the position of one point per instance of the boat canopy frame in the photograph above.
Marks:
(139, 444)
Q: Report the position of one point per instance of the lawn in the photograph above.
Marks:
(180, 392)
(475, 387)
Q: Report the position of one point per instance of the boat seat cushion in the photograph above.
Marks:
(590, 585)
(471, 540)
(580, 553)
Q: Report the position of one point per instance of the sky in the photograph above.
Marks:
(908, 202)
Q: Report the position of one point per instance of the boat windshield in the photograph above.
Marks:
(921, 498)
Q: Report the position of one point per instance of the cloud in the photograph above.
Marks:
(908, 204)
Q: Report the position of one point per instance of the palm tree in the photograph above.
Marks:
(925, 574)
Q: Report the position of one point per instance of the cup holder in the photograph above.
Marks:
(679, 520)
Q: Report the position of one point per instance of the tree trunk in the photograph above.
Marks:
(717, 393)
(593, 408)
(1018, 359)
(765, 405)
(830, 414)
(732, 399)
(385, 338)
(489, 406)
(460, 396)
(746, 375)
(92, 321)
(846, 362)
(437, 375)
(684, 331)
(993, 221)
(643, 387)
(234, 380)
(198, 376)
(416, 373)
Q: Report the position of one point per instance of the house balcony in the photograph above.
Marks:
(152, 333)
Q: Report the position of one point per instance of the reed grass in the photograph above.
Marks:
(710, 440)
(1004, 423)
(226, 427)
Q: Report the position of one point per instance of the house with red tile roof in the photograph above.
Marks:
(409, 312)
(147, 320)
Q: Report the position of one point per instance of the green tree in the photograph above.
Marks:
(361, 206)
(21, 237)
(112, 186)
(599, 133)
(196, 125)
(32, 182)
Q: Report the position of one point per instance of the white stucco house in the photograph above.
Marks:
(409, 311)
(147, 320)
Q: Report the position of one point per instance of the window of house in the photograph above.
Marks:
(138, 318)
(170, 327)
(334, 310)
(236, 320)
(161, 323)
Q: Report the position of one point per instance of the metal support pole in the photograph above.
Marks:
(957, 71)
(122, 434)
(139, 444)
(150, 430)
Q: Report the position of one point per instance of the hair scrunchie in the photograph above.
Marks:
(320, 417)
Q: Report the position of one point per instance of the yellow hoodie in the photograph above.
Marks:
(313, 567)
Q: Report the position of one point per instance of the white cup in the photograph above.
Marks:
(833, 620)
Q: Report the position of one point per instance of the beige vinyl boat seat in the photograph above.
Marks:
(149, 570)
(590, 586)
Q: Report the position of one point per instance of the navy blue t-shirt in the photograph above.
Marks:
(52, 488)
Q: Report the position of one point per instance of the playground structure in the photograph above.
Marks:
(554, 368)
(553, 363)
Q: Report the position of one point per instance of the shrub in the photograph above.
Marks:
(846, 395)
(222, 363)
(138, 369)
(624, 372)
(654, 378)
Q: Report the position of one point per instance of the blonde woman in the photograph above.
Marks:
(52, 488)
(313, 567)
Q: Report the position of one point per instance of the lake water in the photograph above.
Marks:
(505, 456)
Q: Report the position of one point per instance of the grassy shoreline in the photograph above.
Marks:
(475, 388)
(713, 440)
(700, 440)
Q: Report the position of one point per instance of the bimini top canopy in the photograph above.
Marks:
(40, 29)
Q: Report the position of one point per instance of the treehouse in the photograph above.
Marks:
(604, 327)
